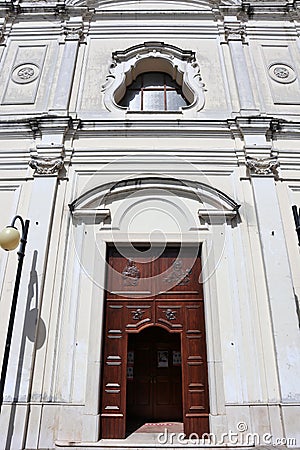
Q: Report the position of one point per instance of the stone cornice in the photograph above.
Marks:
(244, 10)
(32, 126)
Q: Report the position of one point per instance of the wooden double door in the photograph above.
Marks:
(154, 362)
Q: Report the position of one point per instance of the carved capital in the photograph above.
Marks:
(14, 7)
(73, 32)
(262, 166)
(46, 166)
(3, 23)
(235, 32)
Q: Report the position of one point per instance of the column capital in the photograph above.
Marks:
(5, 26)
(263, 166)
(2, 33)
(46, 165)
(47, 160)
(235, 31)
(73, 32)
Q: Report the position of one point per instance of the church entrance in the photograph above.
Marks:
(154, 382)
(154, 357)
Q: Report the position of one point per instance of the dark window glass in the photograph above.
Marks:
(154, 91)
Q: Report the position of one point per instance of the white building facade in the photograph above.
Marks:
(218, 175)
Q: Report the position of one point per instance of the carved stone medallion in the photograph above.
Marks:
(25, 73)
(282, 73)
(130, 274)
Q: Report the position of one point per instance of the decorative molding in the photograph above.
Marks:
(103, 213)
(209, 213)
(262, 166)
(46, 166)
(178, 275)
(156, 56)
(130, 274)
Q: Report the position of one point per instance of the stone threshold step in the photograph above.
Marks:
(63, 445)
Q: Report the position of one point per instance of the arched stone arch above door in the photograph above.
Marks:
(116, 201)
(156, 5)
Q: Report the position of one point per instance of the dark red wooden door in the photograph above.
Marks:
(162, 290)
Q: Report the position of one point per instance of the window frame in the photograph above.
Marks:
(180, 64)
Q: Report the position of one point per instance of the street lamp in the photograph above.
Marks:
(297, 221)
(9, 240)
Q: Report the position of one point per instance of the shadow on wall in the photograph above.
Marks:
(34, 329)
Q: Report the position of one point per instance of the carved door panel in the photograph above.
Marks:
(177, 274)
(164, 292)
(129, 274)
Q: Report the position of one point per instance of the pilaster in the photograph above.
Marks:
(72, 37)
(47, 159)
(235, 37)
(278, 275)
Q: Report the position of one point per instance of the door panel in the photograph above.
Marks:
(129, 278)
(177, 274)
(155, 395)
(160, 292)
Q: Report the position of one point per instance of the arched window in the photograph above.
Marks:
(154, 91)
(154, 76)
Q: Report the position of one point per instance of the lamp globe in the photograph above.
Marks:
(9, 238)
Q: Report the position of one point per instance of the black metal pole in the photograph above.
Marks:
(21, 254)
(297, 221)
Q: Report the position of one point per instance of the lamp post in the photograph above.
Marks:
(297, 221)
(9, 240)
